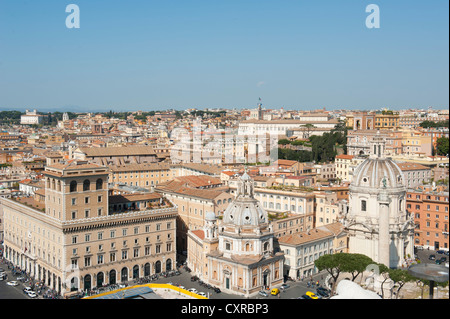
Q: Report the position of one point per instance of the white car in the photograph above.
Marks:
(201, 294)
(12, 283)
(193, 290)
(32, 294)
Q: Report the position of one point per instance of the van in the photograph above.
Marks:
(275, 291)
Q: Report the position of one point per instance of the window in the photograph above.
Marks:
(99, 184)
(86, 185)
(73, 186)
(363, 205)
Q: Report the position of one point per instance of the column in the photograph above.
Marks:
(383, 230)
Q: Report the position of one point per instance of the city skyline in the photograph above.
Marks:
(179, 55)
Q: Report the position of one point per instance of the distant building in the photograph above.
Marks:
(31, 117)
(415, 174)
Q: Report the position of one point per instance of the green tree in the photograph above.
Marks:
(333, 264)
(284, 141)
(442, 146)
(401, 277)
(356, 264)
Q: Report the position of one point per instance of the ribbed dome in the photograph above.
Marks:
(380, 172)
(245, 210)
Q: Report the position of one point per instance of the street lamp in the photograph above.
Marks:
(431, 272)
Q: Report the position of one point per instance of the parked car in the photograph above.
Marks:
(322, 293)
(304, 297)
(32, 294)
(193, 290)
(440, 252)
(201, 293)
(263, 293)
(216, 290)
(328, 291)
(432, 257)
(284, 286)
(12, 283)
(27, 289)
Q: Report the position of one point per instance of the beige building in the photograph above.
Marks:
(193, 202)
(345, 166)
(415, 174)
(145, 175)
(302, 249)
(117, 155)
(327, 208)
(73, 241)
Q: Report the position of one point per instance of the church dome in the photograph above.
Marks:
(378, 171)
(245, 210)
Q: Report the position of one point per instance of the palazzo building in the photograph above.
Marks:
(74, 240)
(237, 254)
(378, 224)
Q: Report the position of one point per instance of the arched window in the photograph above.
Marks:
(99, 184)
(86, 185)
(73, 186)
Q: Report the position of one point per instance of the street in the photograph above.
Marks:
(296, 289)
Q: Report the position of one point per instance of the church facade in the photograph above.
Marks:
(237, 254)
(376, 218)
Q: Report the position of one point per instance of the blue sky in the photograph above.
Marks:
(146, 55)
